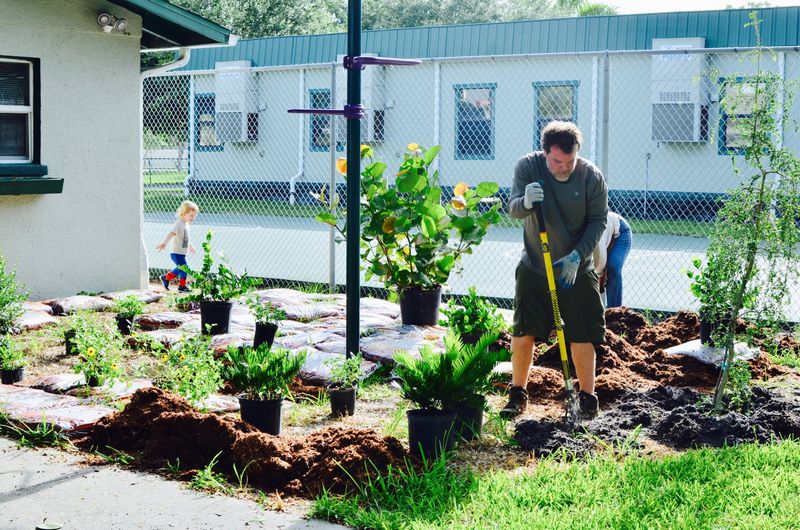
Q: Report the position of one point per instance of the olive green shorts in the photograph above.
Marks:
(580, 306)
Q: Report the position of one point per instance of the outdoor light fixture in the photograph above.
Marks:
(111, 23)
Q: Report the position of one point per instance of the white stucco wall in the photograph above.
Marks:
(88, 237)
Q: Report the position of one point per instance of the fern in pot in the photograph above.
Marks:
(263, 375)
(12, 360)
(345, 374)
(267, 316)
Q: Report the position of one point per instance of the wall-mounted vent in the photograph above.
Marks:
(236, 102)
(679, 91)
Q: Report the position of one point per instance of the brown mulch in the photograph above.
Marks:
(159, 427)
(633, 357)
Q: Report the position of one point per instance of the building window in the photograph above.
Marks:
(474, 122)
(553, 101)
(205, 123)
(320, 134)
(16, 111)
(737, 97)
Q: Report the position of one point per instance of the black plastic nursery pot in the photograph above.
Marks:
(263, 414)
(124, 324)
(12, 375)
(264, 333)
(93, 381)
(431, 431)
(469, 419)
(217, 315)
(420, 307)
(69, 337)
(343, 401)
(708, 326)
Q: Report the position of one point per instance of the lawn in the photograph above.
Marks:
(164, 177)
(748, 486)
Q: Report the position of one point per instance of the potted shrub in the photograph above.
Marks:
(215, 290)
(83, 323)
(473, 317)
(11, 298)
(12, 360)
(345, 373)
(189, 369)
(263, 375)
(99, 365)
(411, 240)
(127, 308)
(267, 316)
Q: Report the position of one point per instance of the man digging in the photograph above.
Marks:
(574, 200)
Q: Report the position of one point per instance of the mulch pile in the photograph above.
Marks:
(159, 427)
(633, 358)
(639, 384)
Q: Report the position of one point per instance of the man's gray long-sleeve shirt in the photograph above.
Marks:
(574, 211)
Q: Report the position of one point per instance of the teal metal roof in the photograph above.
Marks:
(722, 29)
(165, 25)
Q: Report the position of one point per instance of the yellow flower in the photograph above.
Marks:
(164, 359)
(341, 165)
(460, 189)
(183, 357)
(90, 352)
(413, 147)
(388, 225)
(114, 366)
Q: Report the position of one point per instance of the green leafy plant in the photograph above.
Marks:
(444, 380)
(265, 313)
(263, 372)
(473, 317)
(738, 390)
(128, 306)
(44, 434)
(409, 239)
(11, 298)
(752, 255)
(12, 355)
(190, 369)
(220, 286)
(208, 480)
(345, 372)
(101, 364)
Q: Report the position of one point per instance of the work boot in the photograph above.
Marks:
(589, 405)
(164, 281)
(184, 289)
(517, 402)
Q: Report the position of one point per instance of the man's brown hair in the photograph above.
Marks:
(563, 134)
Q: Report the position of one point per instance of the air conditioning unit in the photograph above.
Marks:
(235, 102)
(373, 99)
(679, 92)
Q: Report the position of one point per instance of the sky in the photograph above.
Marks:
(627, 7)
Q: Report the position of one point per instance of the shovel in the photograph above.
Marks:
(571, 404)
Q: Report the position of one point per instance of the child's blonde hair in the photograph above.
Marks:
(186, 206)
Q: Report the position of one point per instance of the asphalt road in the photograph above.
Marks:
(298, 249)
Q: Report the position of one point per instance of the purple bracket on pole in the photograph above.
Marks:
(356, 112)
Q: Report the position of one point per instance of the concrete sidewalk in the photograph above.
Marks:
(47, 483)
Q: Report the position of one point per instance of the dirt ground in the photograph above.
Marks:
(638, 385)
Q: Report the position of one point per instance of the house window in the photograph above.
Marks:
(737, 98)
(205, 122)
(474, 122)
(16, 111)
(320, 134)
(553, 101)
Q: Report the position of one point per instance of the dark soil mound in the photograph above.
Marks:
(626, 323)
(159, 427)
(677, 417)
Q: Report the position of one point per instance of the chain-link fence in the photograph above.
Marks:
(651, 121)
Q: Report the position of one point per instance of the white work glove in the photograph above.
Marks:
(569, 269)
(533, 194)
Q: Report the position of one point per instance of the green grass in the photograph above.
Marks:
(750, 486)
(164, 177)
(164, 200)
